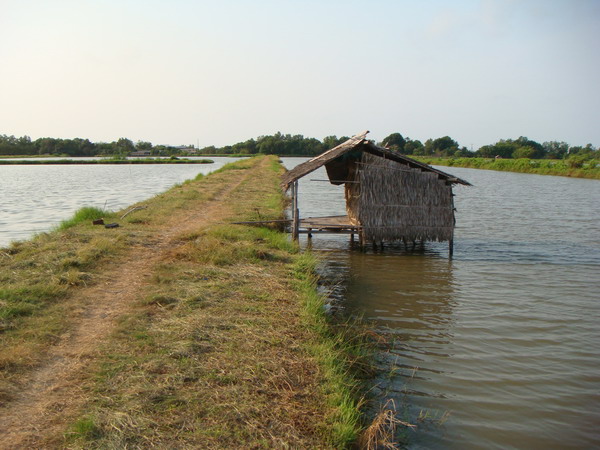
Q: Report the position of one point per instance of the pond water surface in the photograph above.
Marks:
(500, 347)
(34, 198)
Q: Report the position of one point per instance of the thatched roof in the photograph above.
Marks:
(360, 143)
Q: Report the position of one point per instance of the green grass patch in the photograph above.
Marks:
(343, 353)
(84, 429)
(85, 214)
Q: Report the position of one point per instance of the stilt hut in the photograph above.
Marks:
(389, 196)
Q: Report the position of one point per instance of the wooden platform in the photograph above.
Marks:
(327, 224)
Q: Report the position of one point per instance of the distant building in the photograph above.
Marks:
(140, 153)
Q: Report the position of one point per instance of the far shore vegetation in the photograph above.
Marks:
(113, 160)
(519, 155)
(571, 167)
(224, 343)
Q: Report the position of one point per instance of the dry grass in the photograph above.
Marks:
(215, 353)
(382, 433)
(39, 278)
(223, 345)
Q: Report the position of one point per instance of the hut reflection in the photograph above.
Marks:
(403, 292)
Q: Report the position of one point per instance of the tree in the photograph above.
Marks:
(46, 146)
(513, 148)
(579, 150)
(85, 147)
(413, 147)
(245, 148)
(143, 145)
(124, 145)
(524, 152)
(269, 145)
(536, 150)
(503, 149)
(464, 152)
(332, 141)
(444, 146)
(394, 141)
(555, 149)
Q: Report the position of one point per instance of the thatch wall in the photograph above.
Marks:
(393, 201)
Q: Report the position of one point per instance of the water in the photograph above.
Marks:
(500, 347)
(36, 198)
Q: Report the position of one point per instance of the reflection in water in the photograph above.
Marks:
(408, 296)
(502, 344)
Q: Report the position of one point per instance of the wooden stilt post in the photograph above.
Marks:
(295, 212)
(451, 241)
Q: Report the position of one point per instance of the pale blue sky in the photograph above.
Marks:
(183, 71)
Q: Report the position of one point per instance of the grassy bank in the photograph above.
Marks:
(563, 168)
(107, 161)
(220, 338)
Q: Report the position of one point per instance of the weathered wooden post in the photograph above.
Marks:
(451, 241)
(295, 212)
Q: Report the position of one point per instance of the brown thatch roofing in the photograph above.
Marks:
(360, 142)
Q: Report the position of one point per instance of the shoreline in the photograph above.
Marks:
(105, 161)
(530, 166)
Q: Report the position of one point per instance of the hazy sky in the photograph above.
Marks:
(218, 72)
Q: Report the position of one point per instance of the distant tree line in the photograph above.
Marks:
(504, 148)
(277, 144)
(298, 145)
(11, 145)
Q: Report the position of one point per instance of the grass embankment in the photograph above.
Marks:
(107, 161)
(535, 166)
(223, 341)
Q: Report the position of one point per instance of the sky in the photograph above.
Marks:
(214, 72)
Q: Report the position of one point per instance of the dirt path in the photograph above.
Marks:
(51, 396)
